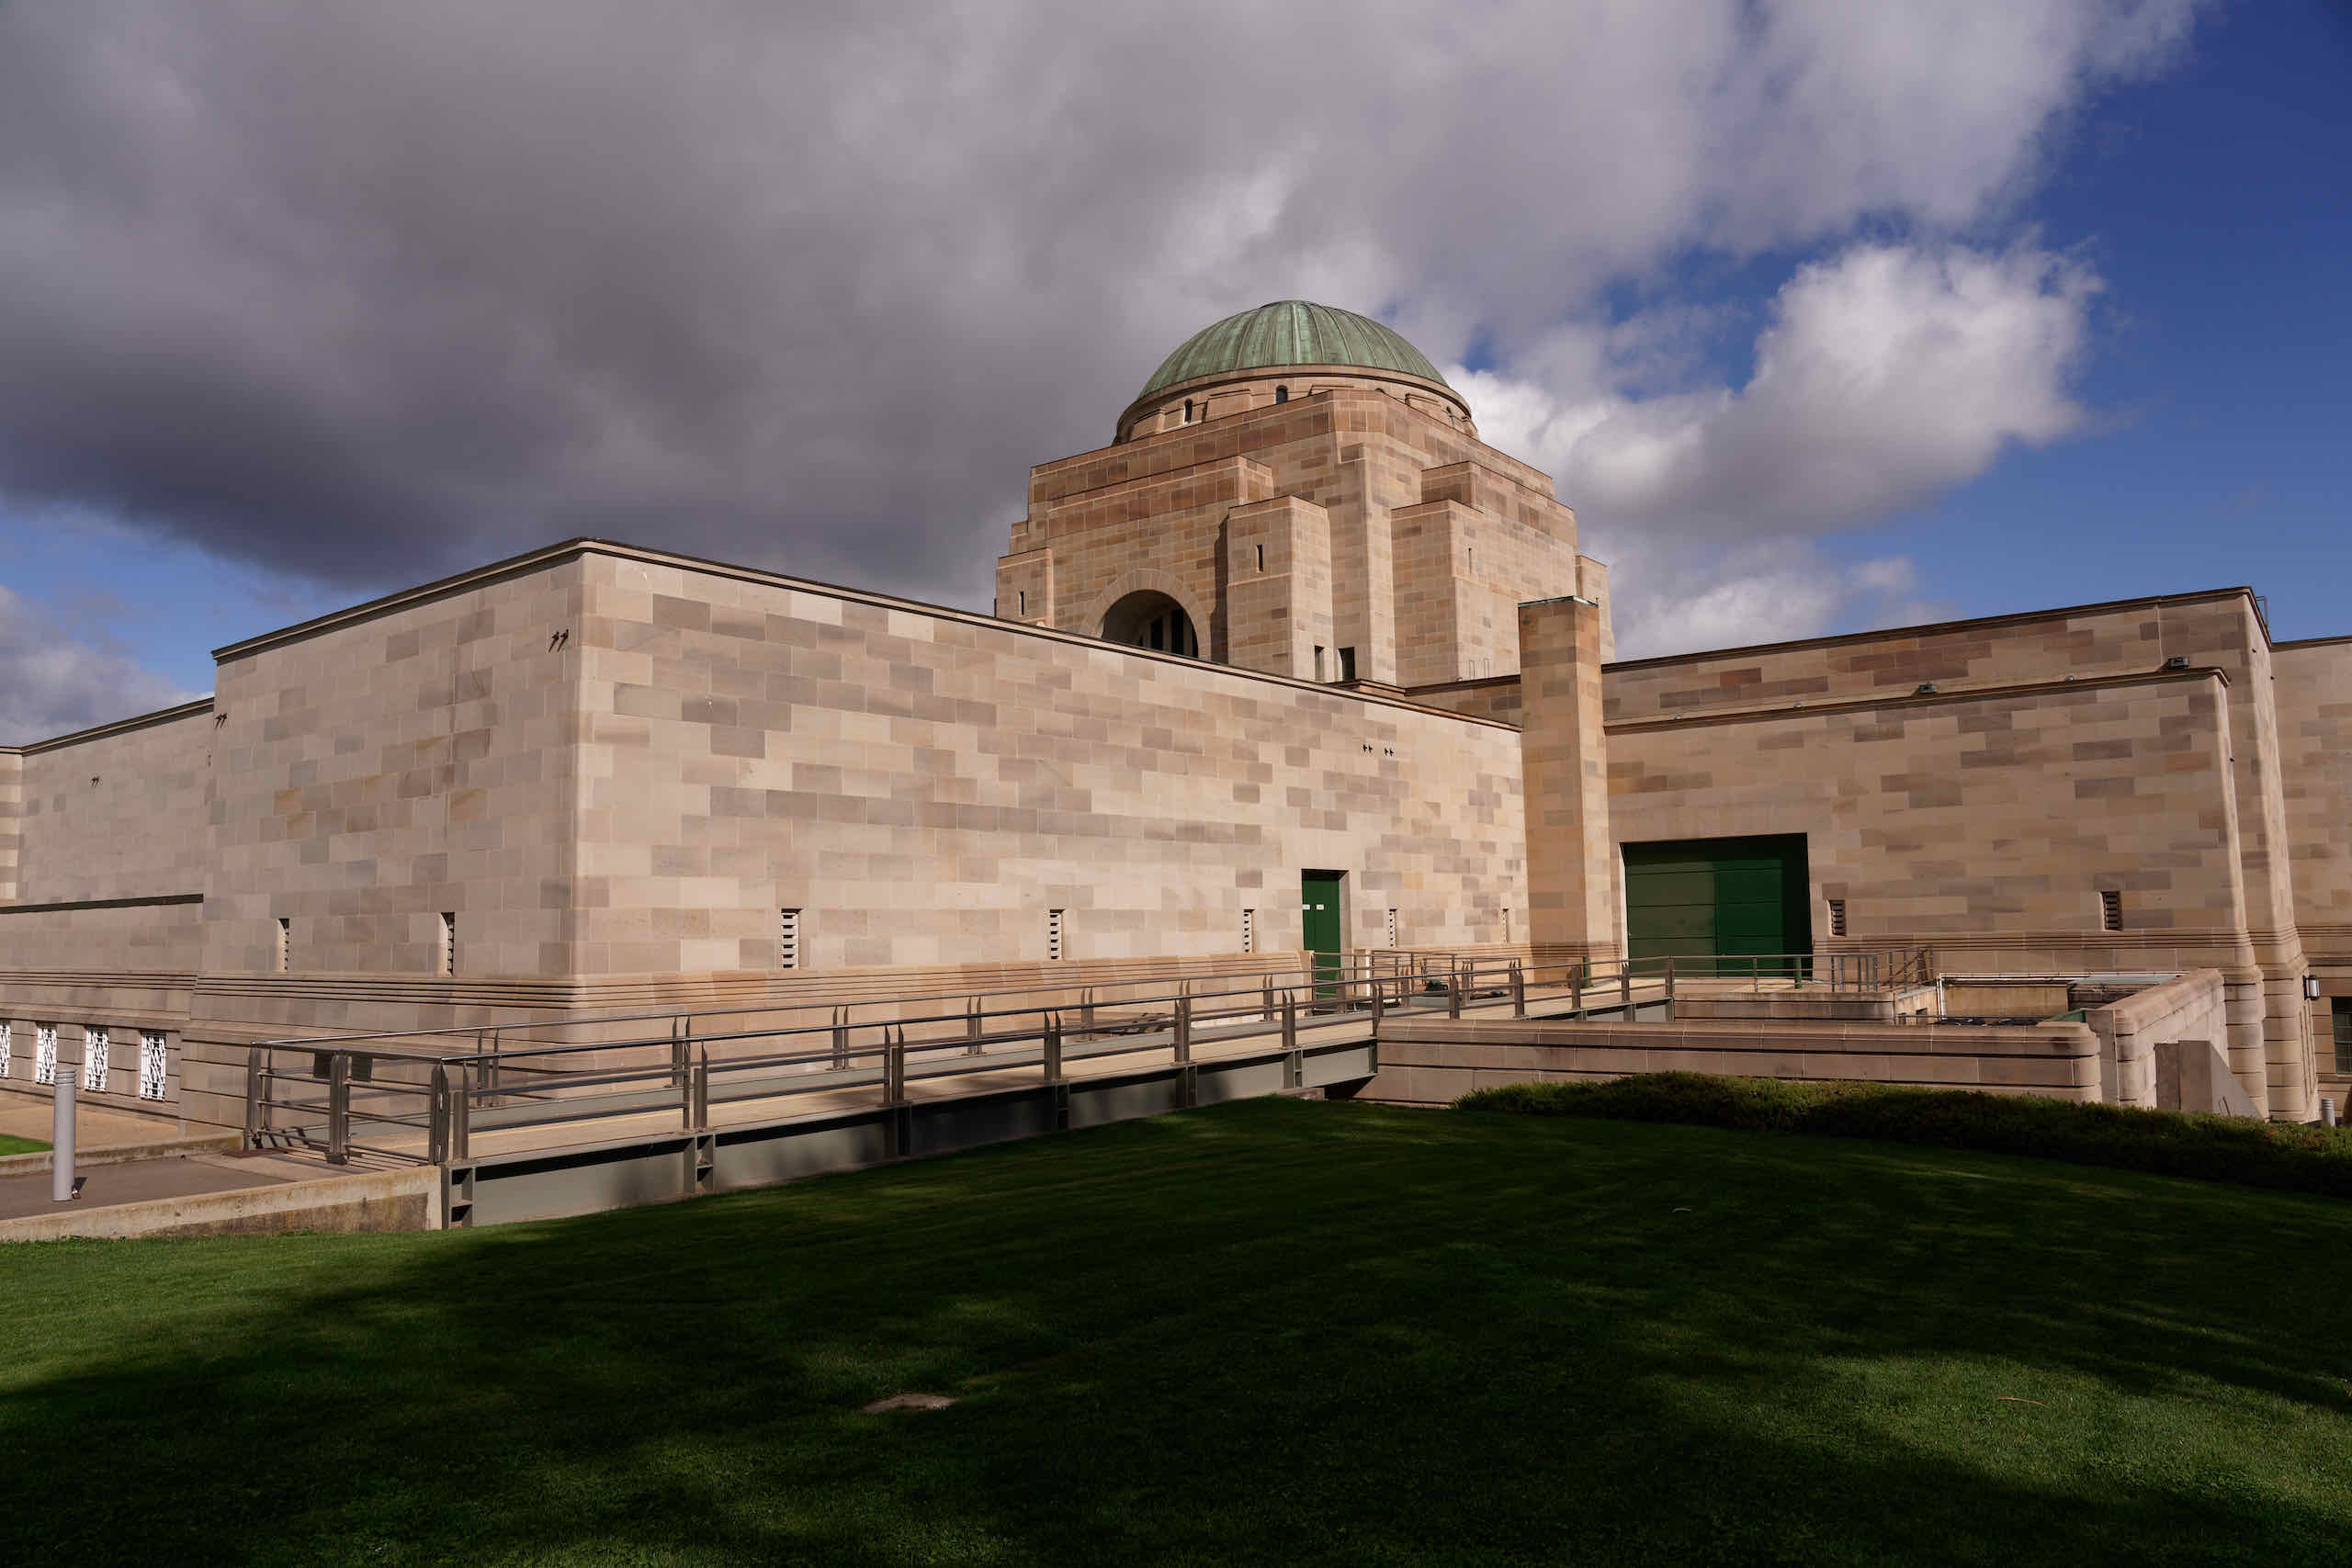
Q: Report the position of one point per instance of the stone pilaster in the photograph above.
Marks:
(1571, 861)
(12, 823)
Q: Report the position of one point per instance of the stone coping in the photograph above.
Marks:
(123, 1154)
(372, 1200)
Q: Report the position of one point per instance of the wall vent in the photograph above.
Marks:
(155, 1065)
(285, 941)
(2110, 911)
(1053, 935)
(1392, 928)
(1837, 916)
(1248, 931)
(787, 939)
(445, 960)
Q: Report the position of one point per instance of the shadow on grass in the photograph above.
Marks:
(1272, 1332)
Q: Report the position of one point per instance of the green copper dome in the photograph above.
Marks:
(1289, 332)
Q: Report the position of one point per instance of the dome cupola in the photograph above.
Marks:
(1215, 371)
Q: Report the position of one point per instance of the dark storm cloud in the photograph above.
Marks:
(366, 292)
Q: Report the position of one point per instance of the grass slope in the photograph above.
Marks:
(1272, 1332)
(10, 1144)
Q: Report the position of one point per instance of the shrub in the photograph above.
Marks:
(2210, 1148)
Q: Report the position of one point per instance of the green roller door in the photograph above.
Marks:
(1695, 899)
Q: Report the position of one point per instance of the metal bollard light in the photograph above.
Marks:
(61, 1142)
(2327, 1111)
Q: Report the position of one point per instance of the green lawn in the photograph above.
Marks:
(1276, 1332)
(14, 1146)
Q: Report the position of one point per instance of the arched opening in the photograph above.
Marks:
(1282, 394)
(1152, 620)
(1188, 411)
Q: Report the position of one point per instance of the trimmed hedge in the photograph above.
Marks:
(2210, 1148)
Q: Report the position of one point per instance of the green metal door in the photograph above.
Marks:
(1719, 904)
(1318, 899)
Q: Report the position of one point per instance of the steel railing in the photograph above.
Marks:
(421, 1096)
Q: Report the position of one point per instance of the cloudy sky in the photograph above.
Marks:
(1824, 313)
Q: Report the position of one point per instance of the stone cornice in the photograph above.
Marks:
(1917, 699)
(118, 727)
(2016, 618)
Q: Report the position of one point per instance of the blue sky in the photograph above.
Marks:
(2160, 222)
(2216, 203)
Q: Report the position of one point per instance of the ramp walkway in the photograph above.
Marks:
(600, 1112)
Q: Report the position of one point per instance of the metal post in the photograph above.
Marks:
(436, 1148)
(1379, 999)
(1053, 1047)
(1670, 984)
(894, 1065)
(972, 1026)
(1290, 1021)
(1266, 993)
(1086, 1010)
(256, 1097)
(339, 1108)
(462, 1115)
(678, 1048)
(1518, 990)
(1183, 1034)
(1453, 994)
(698, 1104)
(1576, 987)
(60, 1139)
(841, 1037)
(1625, 988)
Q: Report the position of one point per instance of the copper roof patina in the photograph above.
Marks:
(1289, 332)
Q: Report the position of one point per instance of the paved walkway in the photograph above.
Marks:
(179, 1176)
(29, 1116)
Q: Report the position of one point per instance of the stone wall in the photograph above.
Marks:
(2221, 630)
(2192, 1008)
(117, 812)
(925, 785)
(1436, 1061)
(379, 768)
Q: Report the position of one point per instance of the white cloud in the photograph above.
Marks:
(1884, 377)
(367, 291)
(52, 684)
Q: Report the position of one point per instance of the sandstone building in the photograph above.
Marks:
(1296, 663)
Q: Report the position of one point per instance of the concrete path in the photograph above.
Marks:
(135, 1181)
(29, 1116)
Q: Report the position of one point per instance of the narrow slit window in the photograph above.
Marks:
(1319, 663)
(1506, 922)
(155, 1065)
(1346, 664)
(1248, 931)
(1053, 935)
(285, 941)
(2110, 911)
(1282, 394)
(1261, 558)
(787, 939)
(1188, 411)
(1392, 928)
(1837, 916)
(8, 1051)
(1023, 595)
(447, 960)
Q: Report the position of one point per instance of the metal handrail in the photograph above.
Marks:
(819, 1057)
